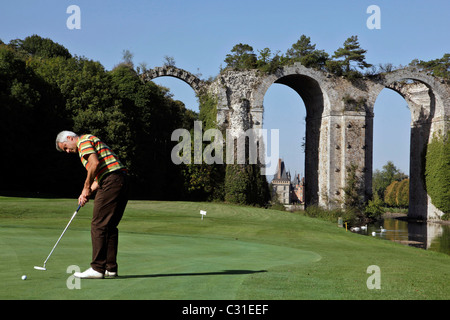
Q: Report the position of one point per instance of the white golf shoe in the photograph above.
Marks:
(89, 274)
(111, 274)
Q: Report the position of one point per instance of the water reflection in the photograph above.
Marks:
(425, 235)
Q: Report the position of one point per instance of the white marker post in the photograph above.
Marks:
(203, 213)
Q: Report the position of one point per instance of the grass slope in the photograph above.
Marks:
(167, 252)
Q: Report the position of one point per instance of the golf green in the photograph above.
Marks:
(167, 251)
(154, 266)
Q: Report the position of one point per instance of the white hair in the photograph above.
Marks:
(62, 137)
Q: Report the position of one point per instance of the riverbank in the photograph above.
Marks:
(404, 216)
(394, 215)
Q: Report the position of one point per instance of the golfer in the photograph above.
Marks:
(108, 177)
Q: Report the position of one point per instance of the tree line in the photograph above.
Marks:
(44, 89)
(397, 194)
(348, 61)
(385, 185)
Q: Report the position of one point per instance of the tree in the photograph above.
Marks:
(317, 59)
(403, 194)
(41, 47)
(382, 179)
(301, 48)
(374, 208)
(169, 61)
(305, 53)
(29, 107)
(242, 58)
(269, 63)
(127, 58)
(42, 94)
(438, 67)
(264, 56)
(397, 194)
(351, 53)
(390, 194)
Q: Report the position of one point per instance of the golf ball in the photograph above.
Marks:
(24, 277)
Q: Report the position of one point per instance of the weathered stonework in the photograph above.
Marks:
(339, 122)
(235, 92)
(171, 71)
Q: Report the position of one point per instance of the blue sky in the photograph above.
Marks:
(199, 34)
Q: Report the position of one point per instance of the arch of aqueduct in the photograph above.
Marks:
(339, 121)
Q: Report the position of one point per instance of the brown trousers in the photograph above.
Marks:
(109, 205)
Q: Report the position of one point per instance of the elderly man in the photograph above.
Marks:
(108, 177)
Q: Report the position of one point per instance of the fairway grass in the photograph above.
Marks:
(166, 251)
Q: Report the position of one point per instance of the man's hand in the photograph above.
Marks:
(84, 197)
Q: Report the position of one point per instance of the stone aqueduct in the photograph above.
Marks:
(339, 121)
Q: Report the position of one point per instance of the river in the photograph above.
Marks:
(426, 235)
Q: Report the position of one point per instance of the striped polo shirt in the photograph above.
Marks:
(109, 161)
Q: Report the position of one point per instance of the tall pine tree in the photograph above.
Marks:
(351, 54)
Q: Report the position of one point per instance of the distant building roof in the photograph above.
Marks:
(281, 173)
(298, 180)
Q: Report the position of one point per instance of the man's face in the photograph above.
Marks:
(70, 146)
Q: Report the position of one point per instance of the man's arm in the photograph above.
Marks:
(92, 169)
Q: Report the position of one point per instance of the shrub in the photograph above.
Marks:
(390, 194)
(403, 194)
(397, 194)
(437, 172)
(374, 208)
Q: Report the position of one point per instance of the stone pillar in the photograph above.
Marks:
(421, 102)
(420, 132)
(333, 192)
(355, 147)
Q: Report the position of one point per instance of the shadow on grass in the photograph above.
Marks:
(224, 272)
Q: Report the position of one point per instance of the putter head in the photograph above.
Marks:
(40, 268)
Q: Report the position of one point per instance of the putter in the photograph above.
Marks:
(45, 262)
